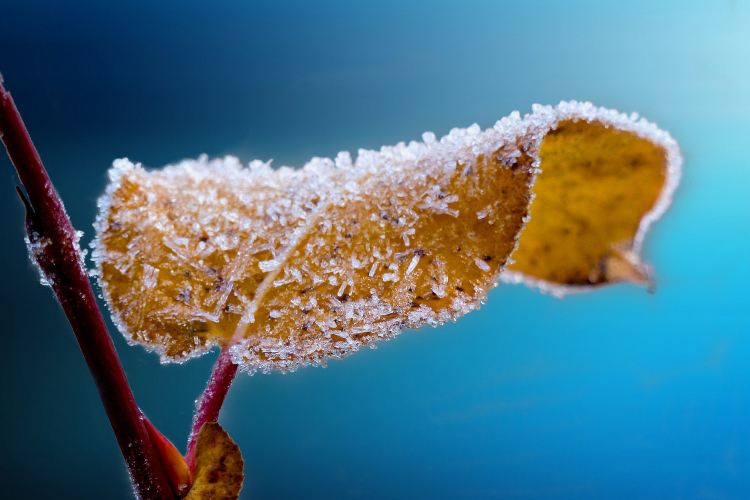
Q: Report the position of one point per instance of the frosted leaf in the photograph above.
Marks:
(318, 262)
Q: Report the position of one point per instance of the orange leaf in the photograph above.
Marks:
(293, 267)
(218, 466)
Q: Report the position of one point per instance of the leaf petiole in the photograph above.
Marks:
(209, 404)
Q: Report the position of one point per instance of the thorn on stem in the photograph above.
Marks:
(22, 195)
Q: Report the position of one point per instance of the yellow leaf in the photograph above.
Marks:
(218, 466)
(605, 177)
(292, 267)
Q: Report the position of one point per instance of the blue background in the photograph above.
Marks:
(613, 394)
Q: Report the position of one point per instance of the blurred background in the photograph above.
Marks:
(613, 394)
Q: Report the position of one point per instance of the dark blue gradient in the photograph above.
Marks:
(614, 394)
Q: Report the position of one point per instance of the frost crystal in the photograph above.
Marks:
(412, 264)
(36, 249)
(268, 265)
(482, 264)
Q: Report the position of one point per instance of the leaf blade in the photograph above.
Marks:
(218, 466)
(411, 201)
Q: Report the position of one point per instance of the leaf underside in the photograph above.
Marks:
(595, 184)
(604, 179)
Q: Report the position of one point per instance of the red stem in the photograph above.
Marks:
(58, 256)
(208, 405)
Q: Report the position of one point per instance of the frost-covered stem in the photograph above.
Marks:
(55, 249)
(209, 404)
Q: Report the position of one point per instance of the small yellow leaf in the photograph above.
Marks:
(291, 267)
(604, 178)
(218, 466)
